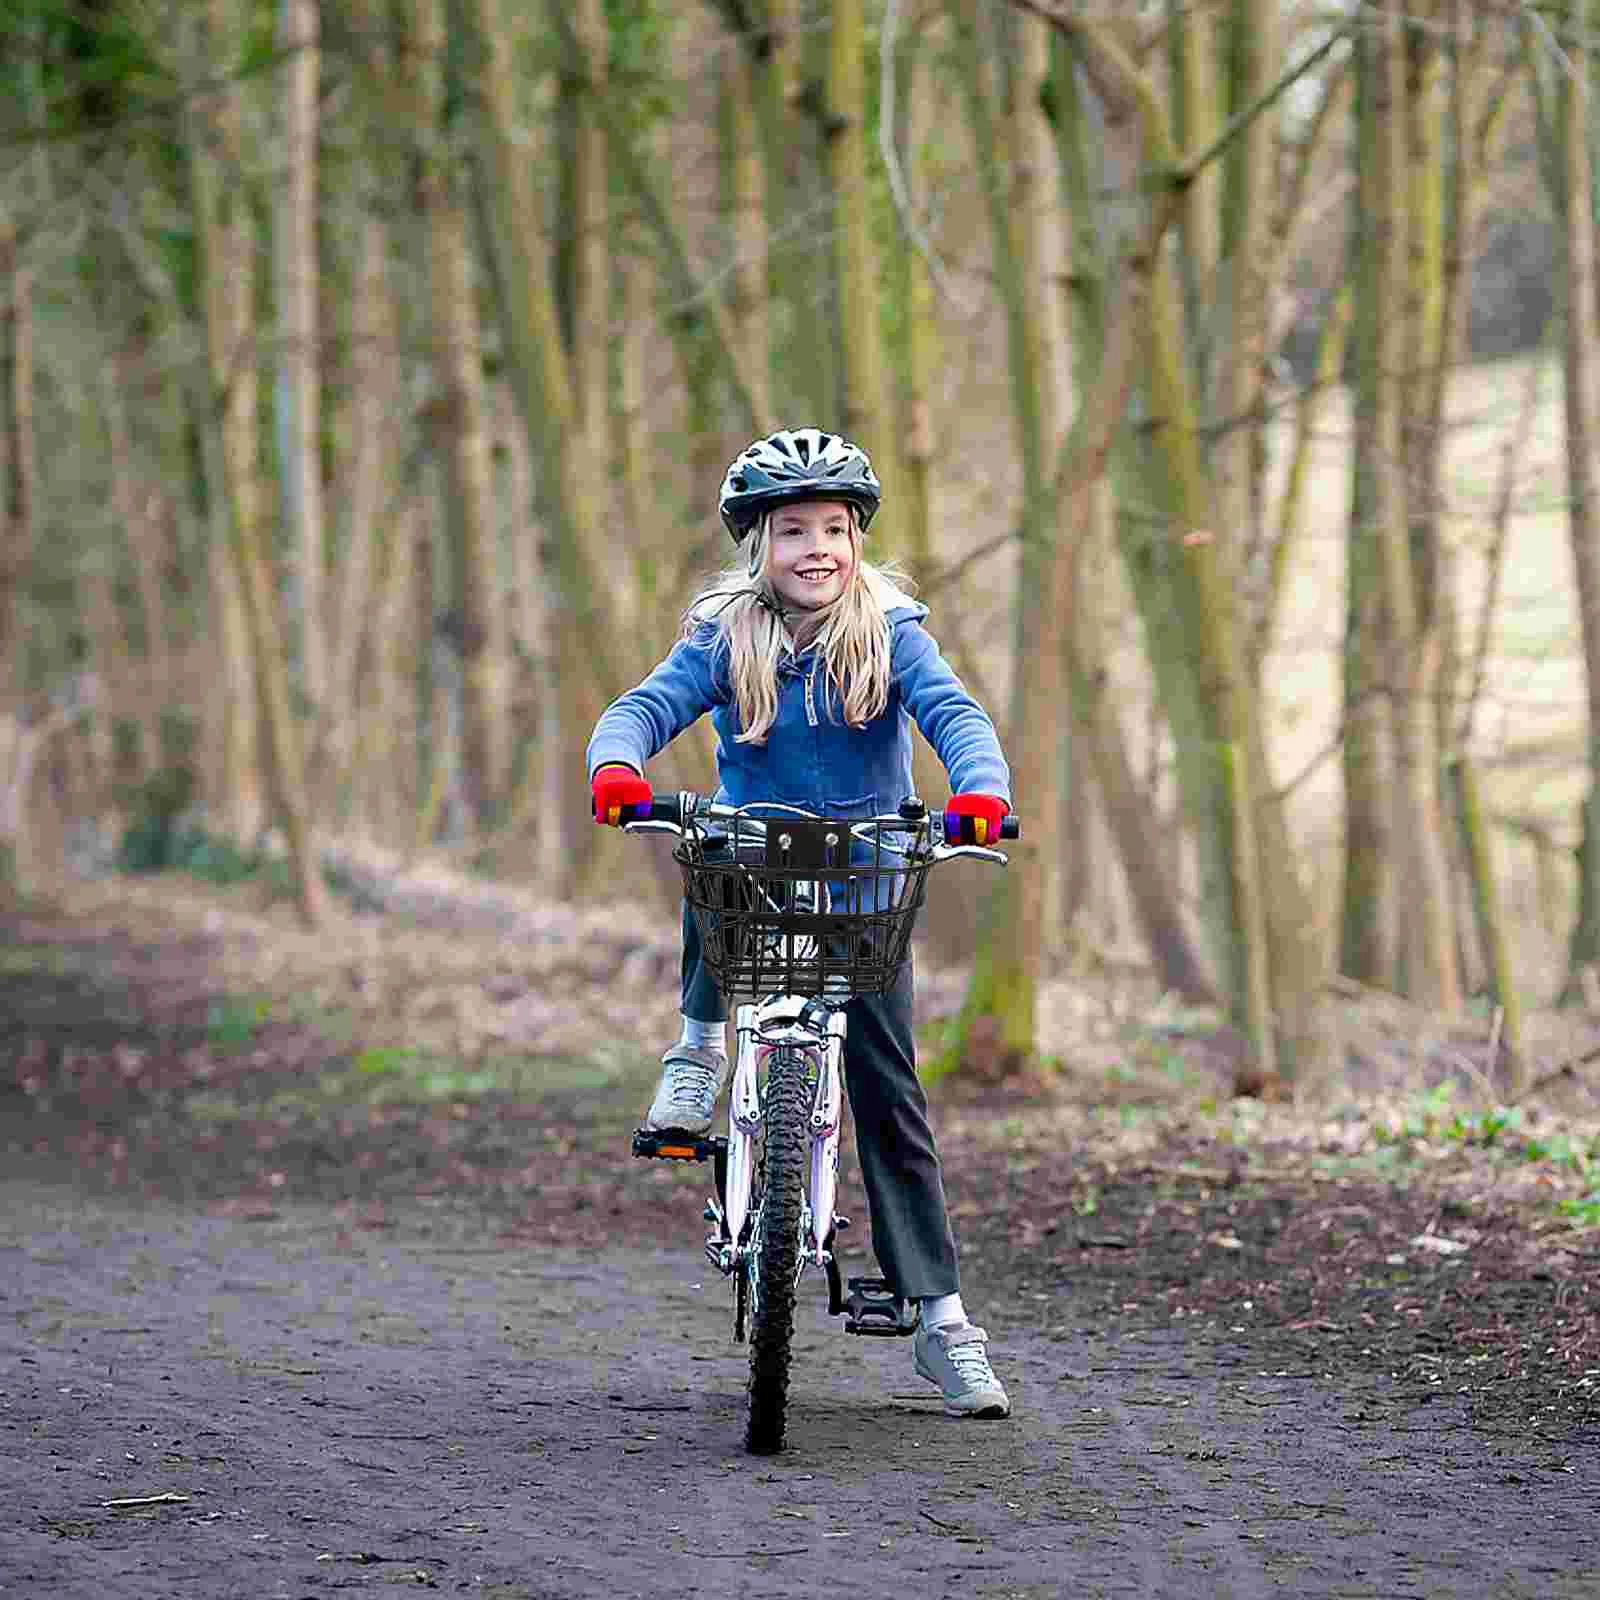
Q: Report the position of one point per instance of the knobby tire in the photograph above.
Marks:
(777, 1256)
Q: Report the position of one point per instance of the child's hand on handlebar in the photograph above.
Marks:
(620, 795)
(974, 818)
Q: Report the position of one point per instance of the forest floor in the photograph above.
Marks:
(320, 1276)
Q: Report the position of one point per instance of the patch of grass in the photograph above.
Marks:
(1434, 1119)
(233, 1021)
(1584, 1211)
(34, 961)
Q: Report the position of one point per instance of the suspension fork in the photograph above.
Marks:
(825, 1118)
(746, 1113)
(744, 1122)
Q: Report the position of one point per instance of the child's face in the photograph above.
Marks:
(812, 553)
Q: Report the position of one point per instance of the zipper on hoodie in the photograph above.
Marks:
(811, 701)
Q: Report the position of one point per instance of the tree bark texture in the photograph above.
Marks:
(865, 417)
(299, 377)
(1581, 379)
(228, 293)
(477, 634)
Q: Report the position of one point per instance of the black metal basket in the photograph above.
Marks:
(806, 906)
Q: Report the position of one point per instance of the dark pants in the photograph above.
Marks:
(899, 1161)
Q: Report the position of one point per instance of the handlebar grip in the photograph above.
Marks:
(1010, 827)
(666, 808)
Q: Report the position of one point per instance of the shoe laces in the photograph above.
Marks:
(971, 1360)
(691, 1082)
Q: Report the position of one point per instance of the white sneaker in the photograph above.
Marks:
(691, 1080)
(954, 1357)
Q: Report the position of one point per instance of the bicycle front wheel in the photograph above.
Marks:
(774, 1261)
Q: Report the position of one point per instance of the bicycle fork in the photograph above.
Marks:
(818, 1031)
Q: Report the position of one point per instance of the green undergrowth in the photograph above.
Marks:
(1437, 1119)
(36, 961)
(1438, 1138)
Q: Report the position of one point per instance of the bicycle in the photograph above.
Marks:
(797, 914)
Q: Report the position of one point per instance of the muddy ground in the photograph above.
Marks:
(263, 1334)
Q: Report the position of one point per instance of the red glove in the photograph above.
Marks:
(974, 818)
(620, 795)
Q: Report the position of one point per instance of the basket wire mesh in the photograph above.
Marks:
(809, 906)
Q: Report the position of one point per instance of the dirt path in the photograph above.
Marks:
(347, 1410)
(318, 1343)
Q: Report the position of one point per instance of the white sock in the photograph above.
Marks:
(942, 1311)
(699, 1035)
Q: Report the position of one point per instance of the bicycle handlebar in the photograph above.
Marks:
(681, 809)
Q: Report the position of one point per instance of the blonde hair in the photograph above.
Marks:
(851, 636)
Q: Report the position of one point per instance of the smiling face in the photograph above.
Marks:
(811, 553)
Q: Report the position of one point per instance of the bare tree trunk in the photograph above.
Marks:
(138, 510)
(1249, 39)
(1130, 818)
(1425, 369)
(866, 416)
(1477, 847)
(300, 354)
(587, 655)
(16, 538)
(386, 743)
(916, 406)
(369, 487)
(1367, 940)
(591, 254)
(228, 295)
(1332, 341)
(1193, 32)
(998, 1015)
(749, 304)
(1410, 654)
(1581, 372)
(476, 604)
(800, 349)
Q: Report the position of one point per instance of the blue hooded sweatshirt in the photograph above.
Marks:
(811, 757)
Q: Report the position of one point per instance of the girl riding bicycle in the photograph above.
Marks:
(812, 664)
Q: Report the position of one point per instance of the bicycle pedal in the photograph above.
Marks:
(873, 1308)
(669, 1145)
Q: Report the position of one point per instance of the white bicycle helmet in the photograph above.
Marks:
(796, 464)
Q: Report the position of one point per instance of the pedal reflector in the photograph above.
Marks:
(677, 1146)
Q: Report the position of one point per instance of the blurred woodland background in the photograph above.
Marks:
(368, 369)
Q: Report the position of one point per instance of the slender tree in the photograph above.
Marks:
(1019, 173)
(511, 214)
(236, 480)
(299, 380)
(476, 605)
(865, 416)
(1581, 382)
(16, 525)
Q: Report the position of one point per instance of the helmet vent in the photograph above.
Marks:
(796, 464)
